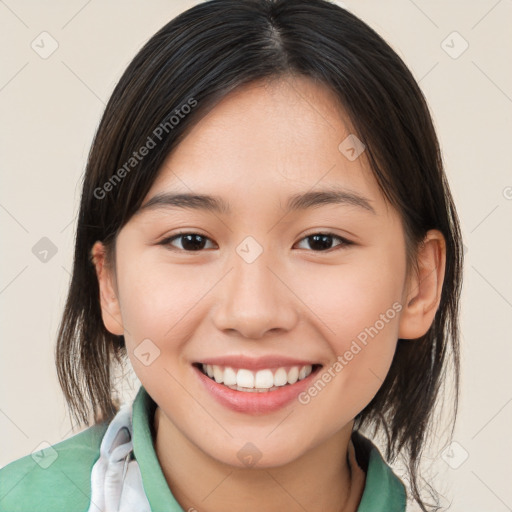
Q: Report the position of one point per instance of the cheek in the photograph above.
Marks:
(351, 297)
(158, 300)
(359, 308)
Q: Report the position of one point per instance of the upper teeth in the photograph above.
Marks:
(262, 379)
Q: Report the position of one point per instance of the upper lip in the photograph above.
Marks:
(256, 363)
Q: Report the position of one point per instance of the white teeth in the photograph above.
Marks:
(304, 371)
(293, 375)
(280, 377)
(218, 374)
(229, 376)
(245, 379)
(262, 380)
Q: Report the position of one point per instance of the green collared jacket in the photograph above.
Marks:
(59, 479)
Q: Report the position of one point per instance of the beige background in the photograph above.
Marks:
(51, 107)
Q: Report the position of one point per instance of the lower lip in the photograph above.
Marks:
(255, 402)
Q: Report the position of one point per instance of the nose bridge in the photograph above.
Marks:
(253, 299)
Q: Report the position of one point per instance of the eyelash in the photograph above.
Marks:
(344, 242)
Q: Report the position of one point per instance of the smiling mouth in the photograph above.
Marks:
(261, 381)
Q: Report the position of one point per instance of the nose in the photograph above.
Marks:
(255, 299)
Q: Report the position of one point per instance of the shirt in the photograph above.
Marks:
(114, 467)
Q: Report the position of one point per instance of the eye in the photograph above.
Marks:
(190, 242)
(322, 242)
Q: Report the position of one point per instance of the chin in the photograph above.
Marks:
(256, 455)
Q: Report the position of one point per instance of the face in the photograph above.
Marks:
(259, 284)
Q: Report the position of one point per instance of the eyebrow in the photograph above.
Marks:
(218, 205)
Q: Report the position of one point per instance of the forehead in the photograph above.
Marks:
(284, 136)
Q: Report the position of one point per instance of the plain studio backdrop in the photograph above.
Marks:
(60, 62)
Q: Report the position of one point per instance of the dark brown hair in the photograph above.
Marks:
(201, 56)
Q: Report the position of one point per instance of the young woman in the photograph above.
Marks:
(267, 233)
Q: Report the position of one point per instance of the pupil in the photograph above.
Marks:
(190, 242)
(321, 241)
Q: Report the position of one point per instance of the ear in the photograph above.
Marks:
(423, 292)
(110, 309)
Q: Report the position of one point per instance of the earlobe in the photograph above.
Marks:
(110, 310)
(423, 294)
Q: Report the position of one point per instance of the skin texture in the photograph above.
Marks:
(263, 143)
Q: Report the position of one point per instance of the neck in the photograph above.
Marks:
(320, 479)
